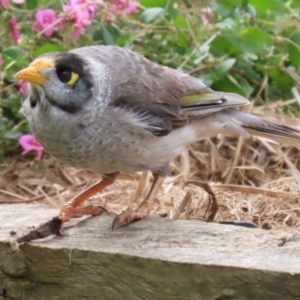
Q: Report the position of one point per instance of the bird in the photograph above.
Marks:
(110, 110)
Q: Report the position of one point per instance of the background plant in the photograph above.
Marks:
(236, 45)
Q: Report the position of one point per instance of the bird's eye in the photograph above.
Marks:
(67, 77)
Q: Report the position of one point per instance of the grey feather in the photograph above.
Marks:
(140, 115)
(258, 126)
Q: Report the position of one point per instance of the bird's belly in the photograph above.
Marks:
(101, 155)
(104, 149)
(64, 147)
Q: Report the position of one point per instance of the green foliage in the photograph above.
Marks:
(241, 43)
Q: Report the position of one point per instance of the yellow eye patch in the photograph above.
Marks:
(73, 79)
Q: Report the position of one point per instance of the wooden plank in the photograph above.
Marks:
(152, 259)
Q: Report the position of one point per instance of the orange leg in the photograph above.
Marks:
(71, 209)
(127, 217)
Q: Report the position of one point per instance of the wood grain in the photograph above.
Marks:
(152, 259)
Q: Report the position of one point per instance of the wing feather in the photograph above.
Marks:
(166, 97)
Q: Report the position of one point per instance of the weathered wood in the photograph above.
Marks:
(152, 259)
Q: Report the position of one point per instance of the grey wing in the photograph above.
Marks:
(164, 97)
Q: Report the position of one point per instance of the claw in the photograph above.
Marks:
(115, 222)
(128, 217)
(103, 209)
(120, 221)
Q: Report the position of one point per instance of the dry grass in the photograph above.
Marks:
(253, 180)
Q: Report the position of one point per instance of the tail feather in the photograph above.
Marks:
(261, 127)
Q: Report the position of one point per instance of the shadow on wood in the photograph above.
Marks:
(152, 259)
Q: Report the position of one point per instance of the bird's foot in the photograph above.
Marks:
(72, 208)
(54, 226)
(127, 217)
(68, 212)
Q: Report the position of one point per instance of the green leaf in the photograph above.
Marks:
(181, 40)
(14, 57)
(245, 9)
(225, 45)
(31, 4)
(226, 24)
(283, 80)
(224, 67)
(229, 4)
(13, 52)
(247, 90)
(12, 135)
(180, 21)
(294, 51)
(171, 12)
(154, 3)
(263, 7)
(254, 40)
(108, 38)
(227, 85)
(122, 40)
(151, 14)
(47, 48)
(107, 33)
(248, 71)
(221, 10)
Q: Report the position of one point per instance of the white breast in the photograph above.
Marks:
(105, 144)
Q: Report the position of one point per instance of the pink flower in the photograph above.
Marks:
(89, 4)
(81, 18)
(29, 143)
(207, 15)
(1, 62)
(81, 12)
(5, 3)
(15, 33)
(23, 87)
(124, 6)
(44, 21)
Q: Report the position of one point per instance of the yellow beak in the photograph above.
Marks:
(32, 73)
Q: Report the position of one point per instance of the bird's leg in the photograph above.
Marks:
(71, 209)
(141, 185)
(143, 210)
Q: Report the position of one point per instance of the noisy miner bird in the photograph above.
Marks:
(111, 110)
